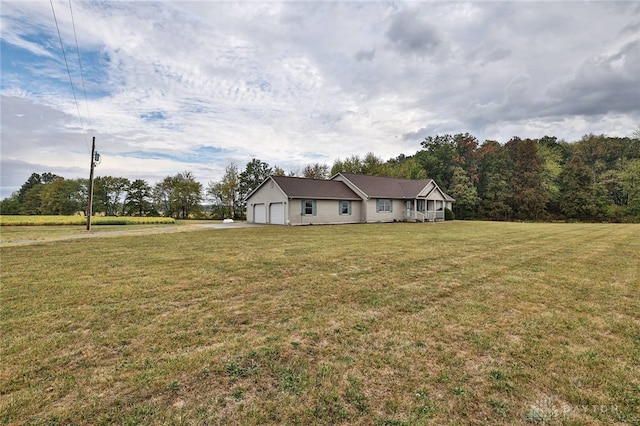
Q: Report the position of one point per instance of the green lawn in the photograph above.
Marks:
(387, 324)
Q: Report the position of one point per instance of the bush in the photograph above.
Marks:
(449, 215)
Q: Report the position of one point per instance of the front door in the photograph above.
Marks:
(408, 203)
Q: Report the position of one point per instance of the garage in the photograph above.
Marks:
(276, 213)
(259, 213)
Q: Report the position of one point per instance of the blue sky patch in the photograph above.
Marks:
(201, 155)
(34, 72)
(153, 116)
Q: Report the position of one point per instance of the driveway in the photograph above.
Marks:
(8, 241)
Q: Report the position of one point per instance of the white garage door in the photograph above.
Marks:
(276, 214)
(259, 213)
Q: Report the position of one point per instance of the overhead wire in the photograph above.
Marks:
(84, 89)
(84, 132)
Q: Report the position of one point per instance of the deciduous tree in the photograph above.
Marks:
(464, 192)
(109, 193)
(179, 196)
(494, 188)
(227, 192)
(62, 197)
(438, 158)
(577, 190)
(316, 171)
(138, 199)
(528, 194)
(253, 175)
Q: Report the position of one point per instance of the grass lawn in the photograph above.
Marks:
(386, 324)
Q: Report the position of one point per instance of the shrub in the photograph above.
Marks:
(449, 215)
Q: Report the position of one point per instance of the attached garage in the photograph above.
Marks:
(276, 213)
(259, 213)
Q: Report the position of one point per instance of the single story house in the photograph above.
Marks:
(345, 198)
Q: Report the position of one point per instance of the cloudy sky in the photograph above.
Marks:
(193, 86)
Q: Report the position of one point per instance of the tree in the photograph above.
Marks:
(316, 171)
(630, 180)
(162, 196)
(351, 164)
(178, 196)
(10, 205)
(577, 190)
(438, 158)
(108, 194)
(464, 192)
(138, 199)
(253, 175)
(552, 156)
(186, 195)
(529, 198)
(31, 202)
(227, 192)
(405, 168)
(467, 155)
(375, 166)
(62, 197)
(494, 190)
(34, 180)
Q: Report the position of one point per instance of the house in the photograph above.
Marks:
(345, 198)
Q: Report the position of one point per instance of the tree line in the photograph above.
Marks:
(594, 179)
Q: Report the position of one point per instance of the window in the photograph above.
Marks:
(345, 207)
(383, 205)
(308, 208)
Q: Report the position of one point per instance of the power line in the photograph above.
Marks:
(84, 89)
(84, 132)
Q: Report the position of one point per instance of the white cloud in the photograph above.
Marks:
(196, 85)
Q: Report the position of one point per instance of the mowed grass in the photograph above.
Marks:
(387, 324)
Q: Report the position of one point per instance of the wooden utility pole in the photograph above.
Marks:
(90, 203)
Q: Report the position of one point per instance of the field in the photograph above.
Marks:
(452, 323)
(80, 220)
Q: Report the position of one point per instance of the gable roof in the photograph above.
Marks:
(386, 187)
(354, 184)
(295, 187)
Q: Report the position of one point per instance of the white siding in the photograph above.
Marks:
(327, 212)
(427, 189)
(397, 213)
(268, 193)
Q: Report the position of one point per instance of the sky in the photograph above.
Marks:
(166, 87)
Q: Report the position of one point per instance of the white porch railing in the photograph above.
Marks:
(428, 216)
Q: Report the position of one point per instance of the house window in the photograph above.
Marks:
(383, 205)
(308, 207)
(345, 207)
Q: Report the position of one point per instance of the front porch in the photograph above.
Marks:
(421, 210)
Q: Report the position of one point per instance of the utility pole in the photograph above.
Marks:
(90, 203)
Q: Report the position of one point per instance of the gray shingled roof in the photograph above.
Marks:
(295, 187)
(386, 187)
